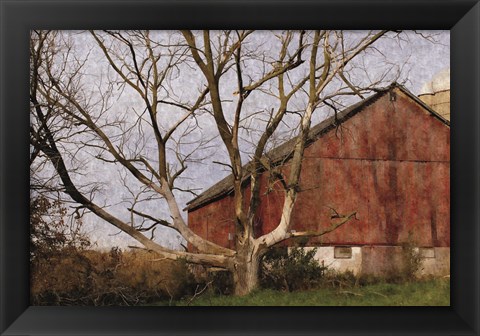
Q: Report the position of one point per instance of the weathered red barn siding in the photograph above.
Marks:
(214, 221)
(389, 162)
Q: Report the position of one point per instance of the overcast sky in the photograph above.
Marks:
(420, 61)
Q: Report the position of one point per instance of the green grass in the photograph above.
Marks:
(424, 293)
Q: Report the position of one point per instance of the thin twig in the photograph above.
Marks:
(198, 293)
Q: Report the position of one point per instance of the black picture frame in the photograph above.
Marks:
(461, 17)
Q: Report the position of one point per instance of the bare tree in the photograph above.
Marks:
(295, 72)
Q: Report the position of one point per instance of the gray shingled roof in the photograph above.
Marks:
(285, 150)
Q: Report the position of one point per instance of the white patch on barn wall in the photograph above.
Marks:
(326, 256)
(434, 261)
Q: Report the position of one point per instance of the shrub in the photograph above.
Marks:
(221, 282)
(411, 260)
(213, 280)
(50, 233)
(109, 278)
(65, 272)
(337, 279)
(291, 270)
(412, 263)
(183, 281)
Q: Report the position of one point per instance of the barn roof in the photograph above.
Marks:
(283, 152)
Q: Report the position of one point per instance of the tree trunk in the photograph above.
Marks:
(246, 274)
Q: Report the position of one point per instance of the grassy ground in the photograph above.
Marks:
(425, 293)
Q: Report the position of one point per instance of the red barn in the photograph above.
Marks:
(387, 158)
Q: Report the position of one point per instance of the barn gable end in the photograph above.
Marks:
(389, 160)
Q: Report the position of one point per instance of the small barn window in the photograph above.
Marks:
(342, 252)
(426, 252)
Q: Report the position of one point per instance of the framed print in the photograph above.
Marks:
(456, 220)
